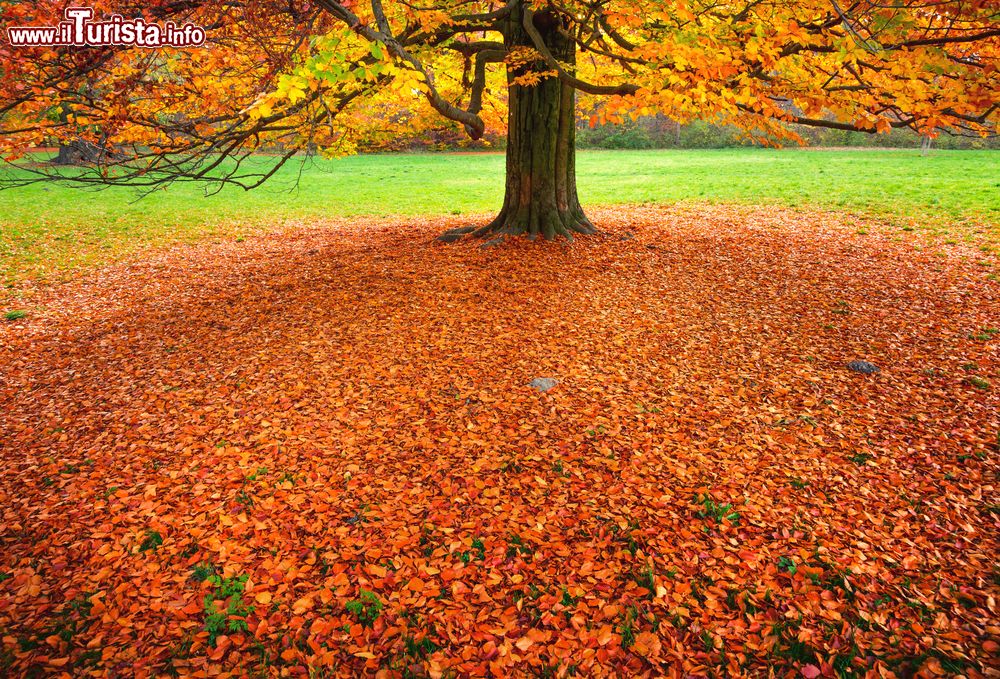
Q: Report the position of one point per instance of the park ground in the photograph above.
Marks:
(300, 440)
(49, 231)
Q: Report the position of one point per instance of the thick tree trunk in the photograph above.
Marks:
(81, 151)
(541, 194)
(77, 153)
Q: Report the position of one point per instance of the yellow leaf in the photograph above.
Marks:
(302, 605)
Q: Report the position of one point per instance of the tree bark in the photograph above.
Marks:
(540, 197)
(77, 152)
(81, 151)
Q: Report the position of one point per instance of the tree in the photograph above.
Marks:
(292, 76)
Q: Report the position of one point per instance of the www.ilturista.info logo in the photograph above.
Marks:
(79, 31)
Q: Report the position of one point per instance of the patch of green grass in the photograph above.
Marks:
(15, 315)
(46, 230)
(646, 579)
(201, 572)
(151, 541)
(860, 459)
(478, 552)
(714, 510)
(366, 608)
(233, 616)
(627, 627)
(567, 600)
(978, 382)
(261, 471)
(708, 641)
(419, 649)
(787, 564)
(517, 546)
(985, 334)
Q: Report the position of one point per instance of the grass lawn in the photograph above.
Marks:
(45, 230)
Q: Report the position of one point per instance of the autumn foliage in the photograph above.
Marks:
(317, 453)
(330, 75)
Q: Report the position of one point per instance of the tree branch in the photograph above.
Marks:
(539, 44)
(472, 122)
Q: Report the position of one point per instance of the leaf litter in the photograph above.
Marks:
(318, 451)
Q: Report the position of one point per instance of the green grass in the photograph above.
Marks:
(47, 229)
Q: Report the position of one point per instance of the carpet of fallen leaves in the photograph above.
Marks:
(317, 453)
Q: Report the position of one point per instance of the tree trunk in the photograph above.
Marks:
(925, 145)
(80, 151)
(77, 152)
(540, 194)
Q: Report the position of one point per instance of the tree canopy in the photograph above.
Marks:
(290, 75)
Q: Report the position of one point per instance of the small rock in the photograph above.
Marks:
(863, 367)
(543, 383)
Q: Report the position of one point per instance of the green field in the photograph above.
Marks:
(45, 229)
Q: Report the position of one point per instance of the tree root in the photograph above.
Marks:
(550, 225)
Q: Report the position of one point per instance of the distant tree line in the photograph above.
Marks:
(659, 132)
